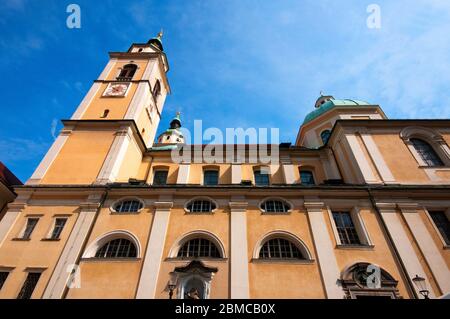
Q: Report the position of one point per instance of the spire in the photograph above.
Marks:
(157, 41)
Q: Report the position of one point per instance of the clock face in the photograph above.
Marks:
(116, 89)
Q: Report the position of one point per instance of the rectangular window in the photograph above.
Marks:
(307, 178)
(261, 178)
(29, 285)
(211, 177)
(3, 277)
(31, 224)
(442, 224)
(160, 177)
(59, 226)
(346, 228)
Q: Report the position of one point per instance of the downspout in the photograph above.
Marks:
(392, 244)
(83, 247)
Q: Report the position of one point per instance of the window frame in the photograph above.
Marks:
(119, 77)
(116, 252)
(284, 201)
(321, 135)
(22, 287)
(24, 228)
(300, 244)
(49, 236)
(158, 170)
(424, 162)
(200, 198)
(209, 169)
(309, 170)
(446, 212)
(261, 169)
(210, 242)
(433, 138)
(358, 223)
(113, 210)
(95, 245)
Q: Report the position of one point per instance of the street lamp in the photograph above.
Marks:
(172, 283)
(422, 286)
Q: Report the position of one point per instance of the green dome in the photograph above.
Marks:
(331, 104)
(157, 41)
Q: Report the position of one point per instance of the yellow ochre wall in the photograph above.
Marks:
(81, 157)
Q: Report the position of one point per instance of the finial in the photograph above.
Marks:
(321, 93)
(160, 35)
(178, 113)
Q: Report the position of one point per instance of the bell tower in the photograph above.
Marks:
(115, 122)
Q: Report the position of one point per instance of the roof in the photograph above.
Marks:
(7, 177)
(330, 105)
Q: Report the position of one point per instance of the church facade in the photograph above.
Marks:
(357, 207)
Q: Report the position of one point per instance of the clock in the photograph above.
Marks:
(116, 89)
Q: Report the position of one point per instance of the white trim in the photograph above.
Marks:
(87, 100)
(300, 244)
(433, 138)
(50, 157)
(377, 157)
(240, 287)
(105, 238)
(183, 173)
(112, 209)
(181, 240)
(325, 253)
(360, 158)
(236, 173)
(288, 172)
(61, 275)
(154, 252)
(114, 159)
(403, 244)
(428, 247)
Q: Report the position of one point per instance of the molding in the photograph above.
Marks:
(205, 198)
(148, 280)
(64, 268)
(428, 248)
(325, 252)
(200, 233)
(105, 238)
(183, 173)
(240, 285)
(300, 244)
(404, 247)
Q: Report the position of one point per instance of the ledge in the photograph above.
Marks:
(50, 239)
(356, 247)
(283, 261)
(184, 260)
(21, 239)
(100, 260)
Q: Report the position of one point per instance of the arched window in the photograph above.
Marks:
(325, 136)
(201, 206)
(157, 89)
(117, 248)
(127, 72)
(280, 248)
(307, 177)
(199, 247)
(426, 152)
(275, 206)
(128, 206)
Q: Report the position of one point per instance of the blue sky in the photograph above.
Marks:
(234, 63)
